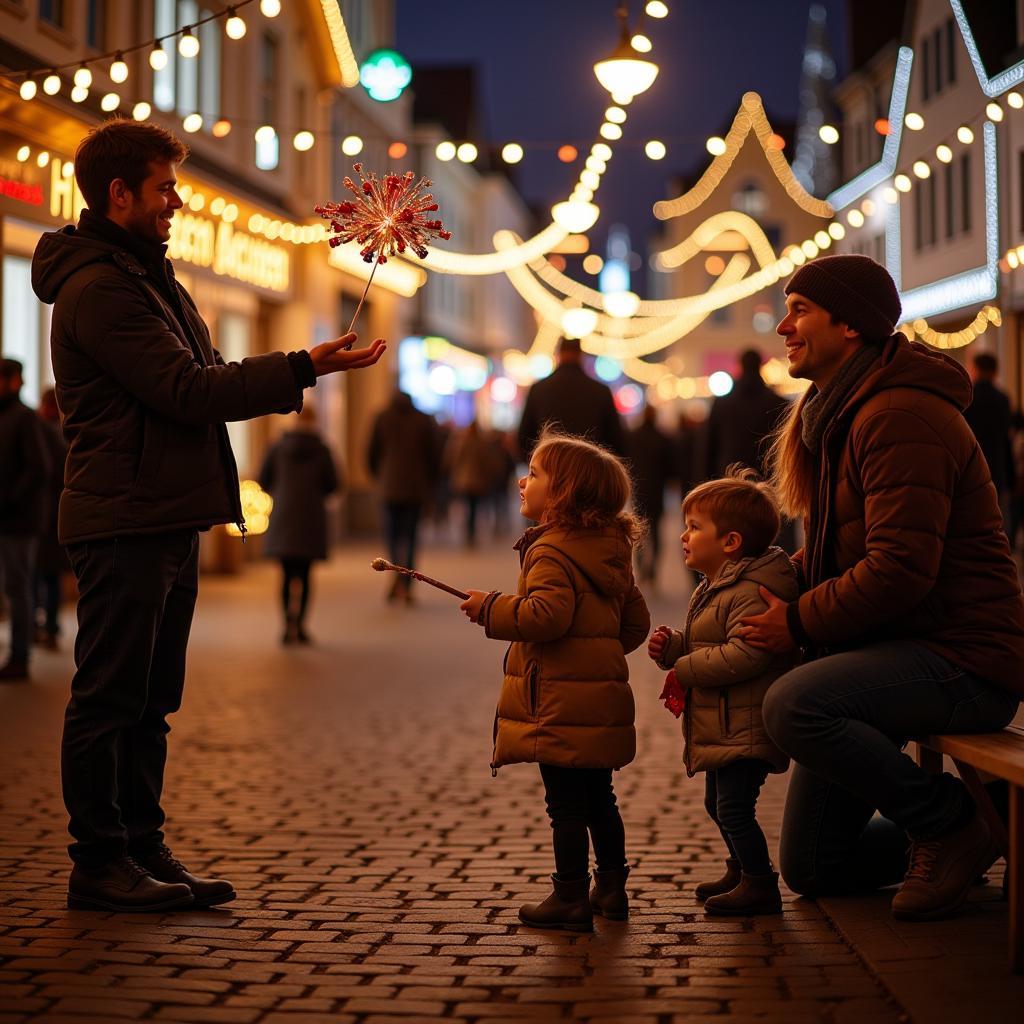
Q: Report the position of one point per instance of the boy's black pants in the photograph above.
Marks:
(730, 798)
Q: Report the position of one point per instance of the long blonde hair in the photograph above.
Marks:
(791, 465)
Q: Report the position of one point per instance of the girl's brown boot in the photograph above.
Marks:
(568, 907)
(608, 898)
(726, 883)
(756, 894)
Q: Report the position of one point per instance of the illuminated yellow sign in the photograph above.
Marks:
(197, 240)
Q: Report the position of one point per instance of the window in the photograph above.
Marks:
(750, 200)
(932, 197)
(937, 61)
(926, 67)
(52, 11)
(918, 218)
(965, 192)
(188, 85)
(951, 51)
(268, 145)
(950, 188)
(96, 24)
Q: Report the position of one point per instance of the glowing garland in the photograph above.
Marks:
(953, 339)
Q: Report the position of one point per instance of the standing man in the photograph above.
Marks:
(652, 463)
(573, 402)
(990, 418)
(912, 617)
(24, 472)
(145, 398)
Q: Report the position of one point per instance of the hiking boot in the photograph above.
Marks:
(726, 883)
(165, 867)
(941, 872)
(14, 672)
(609, 898)
(567, 907)
(755, 894)
(123, 885)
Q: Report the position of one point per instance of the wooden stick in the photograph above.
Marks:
(383, 565)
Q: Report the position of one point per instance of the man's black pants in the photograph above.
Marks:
(136, 599)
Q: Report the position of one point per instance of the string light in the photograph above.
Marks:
(118, 70)
(716, 146)
(234, 27)
(445, 151)
(944, 153)
(829, 134)
(902, 183)
(512, 152)
(28, 89)
(965, 135)
(994, 112)
(270, 8)
(158, 57)
(656, 9)
(351, 145)
(83, 76)
(192, 123)
(79, 93)
(567, 154)
(141, 110)
(188, 44)
(922, 170)
(110, 102)
(615, 114)
(953, 339)
(51, 84)
(221, 128)
(914, 121)
(611, 131)
(641, 43)
(24, 152)
(655, 149)
(303, 141)
(43, 159)
(467, 152)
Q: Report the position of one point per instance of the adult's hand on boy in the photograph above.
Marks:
(769, 630)
(658, 642)
(471, 606)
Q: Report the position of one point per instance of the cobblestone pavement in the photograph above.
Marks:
(345, 789)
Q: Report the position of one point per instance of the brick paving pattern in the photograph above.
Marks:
(345, 789)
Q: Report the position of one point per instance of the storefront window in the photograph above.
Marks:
(188, 85)
(52, 11)
(233, 340)
(25, 327)
(96, 24)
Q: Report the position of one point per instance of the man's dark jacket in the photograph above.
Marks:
(989, 418)
(739, 425)
(24, 468)
(403, 453)
(574, 403)
(143, 392)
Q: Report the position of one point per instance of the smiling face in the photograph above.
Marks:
(815, 346)
(704, 551)
(148, 211)
(533, 491)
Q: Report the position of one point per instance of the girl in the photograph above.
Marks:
(566, 702)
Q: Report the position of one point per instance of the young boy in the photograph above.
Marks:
(718, 681)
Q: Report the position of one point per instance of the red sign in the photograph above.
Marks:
(30, 194)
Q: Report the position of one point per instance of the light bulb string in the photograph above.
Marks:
(19, 76)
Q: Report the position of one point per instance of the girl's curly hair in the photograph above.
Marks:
(589, 486)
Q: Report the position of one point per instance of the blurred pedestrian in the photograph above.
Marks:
(572, 402)
(404, 458)
(650, 455)
(503, 445)
(24, 472)
(990, 418)
(685, 443)
(740, 422)
(51, 559)
(470, 463)
(145, 398)
(298, 473)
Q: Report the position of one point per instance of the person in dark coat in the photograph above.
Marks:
(404, 457)
(740, 422)
(51, 558)
(24, 471)
(145, 398)
(298, 473)
(572, 402)
(651, 458)
(990, 418)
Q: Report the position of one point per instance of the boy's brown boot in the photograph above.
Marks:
(568, 907)
(726, 883)
(755, 894)
(608, 898)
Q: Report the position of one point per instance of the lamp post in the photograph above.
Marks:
(624, 73)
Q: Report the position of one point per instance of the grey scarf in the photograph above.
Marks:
(821, 407)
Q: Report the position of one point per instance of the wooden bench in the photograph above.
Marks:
(1000, 754)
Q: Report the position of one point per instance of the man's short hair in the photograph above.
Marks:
(985, 362)
(122, 148)
(11, 368)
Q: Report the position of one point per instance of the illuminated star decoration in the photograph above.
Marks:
(387, 217)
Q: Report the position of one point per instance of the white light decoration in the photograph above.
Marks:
(445, 151)
(234, 27)
(43, 159)
(578, 323)
(158, 57)
(855, 218)
(503, 390)
(922, 170)
(575, 216)
(837, 231)
(1015, 100)
(902, 183)
(79, 94)
(616, 115)
(303, 141)
(594, 164)
(611, 131)
(868, 208)
(829, 134)
(965, 135)
(28, 89)
(716, 145)
(720, 383)
(217, 206)
(51, 84)
(188, 44)
(623, 73)
(118, 70)
(810, 249)
(110, 102)
(83, 77)
(352, 145)
(141, 110)
(591, 179)
(914, 121)
(993, 111)
(822, 239)
(890, 195)
(655, 150)
(541, 366)
(24, 152)
(264, 134)
(943, 153)
(656, 9)
(466, 152)
(270, 8)
(196, 201)
(641, 43)
(511, 152)
(621, 304)
(192, 123)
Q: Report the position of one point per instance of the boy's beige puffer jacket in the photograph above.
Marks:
(725, 678)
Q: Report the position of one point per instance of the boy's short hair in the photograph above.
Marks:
(739, 502)
(122, 148)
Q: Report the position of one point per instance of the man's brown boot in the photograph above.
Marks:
(726, 883)
(124, 886)
(755, 894)
(568, 907)
(941, 872)
(165, 867)
(608, 898)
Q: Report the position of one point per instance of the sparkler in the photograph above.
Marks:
(387, 217)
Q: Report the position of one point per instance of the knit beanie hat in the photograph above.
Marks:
(855, 289)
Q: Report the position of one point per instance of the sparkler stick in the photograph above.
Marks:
(383, 565)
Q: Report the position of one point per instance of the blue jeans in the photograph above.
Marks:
(844, 720)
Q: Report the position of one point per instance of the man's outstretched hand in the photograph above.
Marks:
(332, 356)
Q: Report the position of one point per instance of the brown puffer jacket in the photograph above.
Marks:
(575, 616)
(905, 539)
(724, 677)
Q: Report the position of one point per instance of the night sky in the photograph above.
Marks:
(534, 61)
